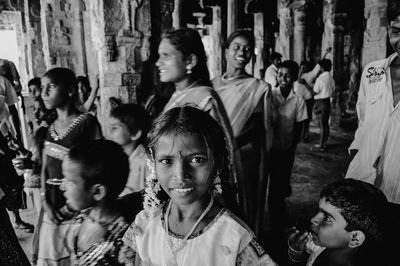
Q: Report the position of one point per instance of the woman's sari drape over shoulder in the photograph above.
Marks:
(206, 99)
(247, 103)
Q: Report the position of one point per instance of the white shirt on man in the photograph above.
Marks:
(324, 86)
(377, 137)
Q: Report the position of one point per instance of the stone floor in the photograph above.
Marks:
(312, 171)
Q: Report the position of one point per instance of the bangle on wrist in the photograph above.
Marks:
(292, 259)
(294, 250)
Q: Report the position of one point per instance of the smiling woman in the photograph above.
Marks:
(247, 102)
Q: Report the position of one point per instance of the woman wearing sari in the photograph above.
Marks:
(246, 100)
(183, 61)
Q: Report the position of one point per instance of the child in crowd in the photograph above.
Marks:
(87, 95)
(348, 229)
(324, 88)
(182, 223)
(59, 92)
(129, 124)
(303, 89)
(95, 173)
(289, 112)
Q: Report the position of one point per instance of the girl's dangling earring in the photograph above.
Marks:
(217, 190)
(188, 70)
(151, 203)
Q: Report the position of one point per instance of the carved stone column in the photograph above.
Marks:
(63, 45)
(259, 36)
(327, 36)
(123, 45)
(36, 64)
(177, 16)
(233, 18)
(299, 15)
(283, 40)
(374, 45)
(215, 63)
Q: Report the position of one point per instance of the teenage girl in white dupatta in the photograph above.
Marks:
(182, 61)
(246, 101)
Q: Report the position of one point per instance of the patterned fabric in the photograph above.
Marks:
(55, 150)
(110, 251)
(224, 241)
(52, 247)
(377, 137)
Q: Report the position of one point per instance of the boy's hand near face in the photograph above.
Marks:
(297, 244)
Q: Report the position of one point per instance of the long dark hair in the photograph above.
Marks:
(66, 79)
(188, 42)
(190, 120)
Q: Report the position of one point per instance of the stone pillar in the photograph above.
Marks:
(233, 11)
(215, 62)
(374, 45)
(177, 16)
(259, 36)
(63, 45)
(299, 42)
(327, 36)
(122, 46)
(283, 40)
(36, 64)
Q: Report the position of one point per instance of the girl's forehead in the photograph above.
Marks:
(180, 143)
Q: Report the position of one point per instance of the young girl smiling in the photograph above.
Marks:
(184, 223)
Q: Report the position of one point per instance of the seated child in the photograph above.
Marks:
(348, 228)
(129, 124)
(182, 222)
(95, 173)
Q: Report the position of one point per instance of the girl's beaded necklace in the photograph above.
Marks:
(65, 133)
(181, 243)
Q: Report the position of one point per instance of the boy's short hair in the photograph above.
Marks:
(103, 162)
(292, 66)
(34, 81)
(393, 10)
(274, 56)
(134, 117)
(326, 64)
(362, 205)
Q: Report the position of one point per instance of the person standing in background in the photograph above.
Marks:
(272, 71)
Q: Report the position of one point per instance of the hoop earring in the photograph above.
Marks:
(151, 204)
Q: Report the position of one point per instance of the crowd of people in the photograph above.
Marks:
(189, 187)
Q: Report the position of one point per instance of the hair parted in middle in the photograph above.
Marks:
(188, 42)
(187, 120)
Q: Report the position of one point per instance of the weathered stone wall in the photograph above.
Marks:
(374, 45)
(35, 56)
